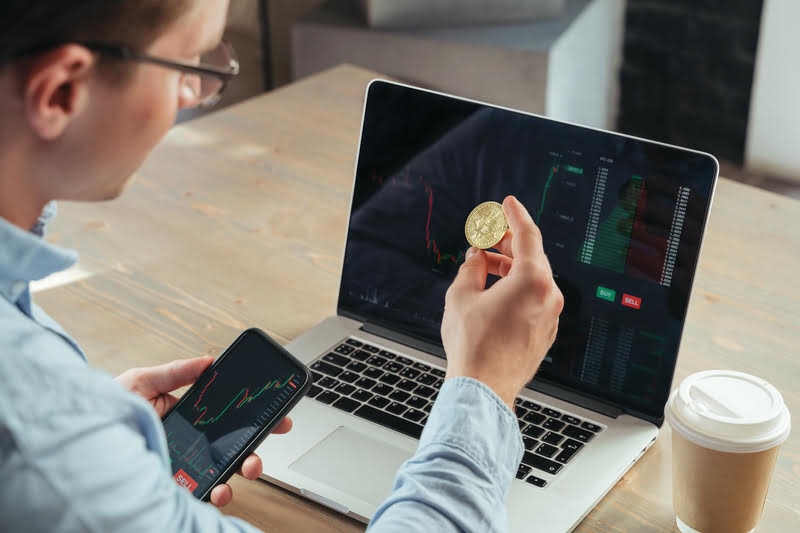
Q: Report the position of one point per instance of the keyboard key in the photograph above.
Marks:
(569, 419)
(399, 396)
(383, 389)
(360, 355)
(328, 383)
(438, 384)
(344, 349)
(336, 359)
(552, 438)
(393, 366)
(529, 443)
(356, 366)
(327, 397)
(424, 391)
(313, 391)
(555, 425)
(396, 408)
(404, 360)
(316, 376)
(345, 389)
(570, 444)
(326, 368)
(546, 450)
(387, 355)
(407, 385)
(427, 379)
(376, 360)
(415, 415)
(365, 383)
(369, 348)
(539, 462)
(578, 433)
(534, 418)
(521, 424)
(522, 471)
(390, 379)
(438, 372)
(409, 373)
(353, 342)
(591, 427)
(422, 366)
(379, 401)
(533, 480)
(565, 455)
(346, 404)
(531, 405)
(417, 402)
(520, 411)
(551, 412)
(383, 418)
(517, 401)
(361, 395)
(348, 377)
(533, 431)
(373, 372)
(428, 408)
(433, 398)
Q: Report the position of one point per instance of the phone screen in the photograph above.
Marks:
(229, 408)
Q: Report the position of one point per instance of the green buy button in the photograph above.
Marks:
(606, 294)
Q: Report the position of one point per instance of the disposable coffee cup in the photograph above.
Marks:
(726, 430)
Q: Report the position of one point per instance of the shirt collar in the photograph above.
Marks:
(25, 256)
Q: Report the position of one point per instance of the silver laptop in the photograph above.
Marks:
(622, 220)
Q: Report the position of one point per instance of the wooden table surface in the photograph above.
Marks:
(239, 218)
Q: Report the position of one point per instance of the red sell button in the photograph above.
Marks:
(184, 480)
(631, 301)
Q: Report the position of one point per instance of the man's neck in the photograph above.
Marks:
(19, 202)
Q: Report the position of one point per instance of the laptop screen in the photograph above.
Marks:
(621, 221)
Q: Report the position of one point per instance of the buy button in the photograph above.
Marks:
(631, 301)
(184, 480)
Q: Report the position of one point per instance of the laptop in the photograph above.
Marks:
(622, 221)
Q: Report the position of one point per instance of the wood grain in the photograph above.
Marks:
(239, 219)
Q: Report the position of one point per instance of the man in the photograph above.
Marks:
(88, 88)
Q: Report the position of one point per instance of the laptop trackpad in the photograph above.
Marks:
(353, 463)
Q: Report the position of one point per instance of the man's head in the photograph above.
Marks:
(76, 124)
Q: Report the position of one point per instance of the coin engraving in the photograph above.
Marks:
(486, 225)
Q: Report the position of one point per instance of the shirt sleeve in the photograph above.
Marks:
(98, 476)
(460, 476)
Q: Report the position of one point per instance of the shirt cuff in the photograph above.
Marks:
(470, 416)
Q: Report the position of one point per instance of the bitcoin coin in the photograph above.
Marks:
(486, 225)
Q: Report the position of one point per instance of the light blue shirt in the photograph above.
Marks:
(80, 453)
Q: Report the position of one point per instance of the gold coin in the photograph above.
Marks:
(486, 225)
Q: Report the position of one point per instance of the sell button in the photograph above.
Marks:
(631, 301)
(606, 294)
(184, 480)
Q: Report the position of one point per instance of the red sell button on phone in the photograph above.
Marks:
(631, 301)
(184, 480)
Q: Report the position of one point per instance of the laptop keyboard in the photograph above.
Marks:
(398, 392)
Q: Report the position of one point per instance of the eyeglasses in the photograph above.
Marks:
(207, 79)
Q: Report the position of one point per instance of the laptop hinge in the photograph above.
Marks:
(593, 404)
(409, 341)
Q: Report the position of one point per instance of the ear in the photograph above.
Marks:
(55, 88)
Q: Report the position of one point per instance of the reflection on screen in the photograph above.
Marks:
(209, 429)
(621, 221)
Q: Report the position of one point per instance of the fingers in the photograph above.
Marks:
(251, 467)
(170, 376)
(504, 246)
(221, 495)
(472, 274)
(498, 264)
(527, 241)
(285, 426)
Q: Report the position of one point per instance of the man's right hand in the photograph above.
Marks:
(500, 335)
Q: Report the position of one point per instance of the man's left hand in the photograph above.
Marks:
(155, 385)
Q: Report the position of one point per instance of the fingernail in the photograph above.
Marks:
(472, 251)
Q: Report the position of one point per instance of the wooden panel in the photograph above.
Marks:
(239, 219)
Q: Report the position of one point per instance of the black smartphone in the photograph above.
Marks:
(230, 409)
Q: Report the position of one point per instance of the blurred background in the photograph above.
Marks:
(716, 75)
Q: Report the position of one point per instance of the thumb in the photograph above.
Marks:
(168, 377)
(472, 274)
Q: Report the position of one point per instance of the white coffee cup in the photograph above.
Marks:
(727, 427)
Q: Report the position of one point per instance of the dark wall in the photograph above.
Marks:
(687, 72)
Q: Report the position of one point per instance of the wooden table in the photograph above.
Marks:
(239, 219)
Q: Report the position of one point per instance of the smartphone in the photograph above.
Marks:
(230, 409)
